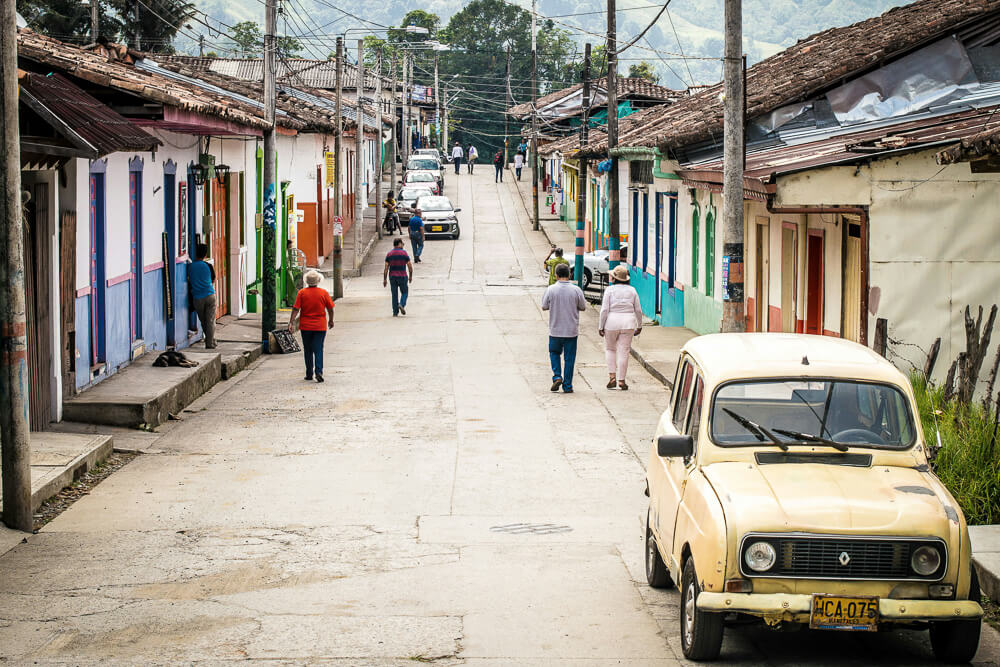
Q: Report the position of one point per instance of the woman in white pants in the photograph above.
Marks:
(621, 318)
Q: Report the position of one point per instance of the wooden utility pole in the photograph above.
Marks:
(360, 199)
(444, 126)
(581, 174)
(15, 448)
(733, 312)
(437, 108)
(338, 214)
(95, 21)
(268, 233)
(614, 242)
(201, 42)
(378, 143)
(506, 116)
(395, 134)
(534, 118)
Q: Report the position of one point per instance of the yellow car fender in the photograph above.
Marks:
(700, 533)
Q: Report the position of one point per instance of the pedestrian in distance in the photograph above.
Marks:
(518, 164)
(470, 156)
(456, 157)
(498, 165)
(391, 221)
(314, 311)
(564, 301)
(397, 266)
(417, 233)
(621, 319)
(554, 259)
(201, 275)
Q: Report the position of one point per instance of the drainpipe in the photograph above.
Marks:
(859, 211)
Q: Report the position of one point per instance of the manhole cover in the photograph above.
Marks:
(532, 528)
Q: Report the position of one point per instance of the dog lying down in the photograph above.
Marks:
(174, 358)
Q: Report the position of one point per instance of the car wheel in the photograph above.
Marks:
(701, 631)
(588, 278)
(458, 232)
(956, 642)
(657, 574)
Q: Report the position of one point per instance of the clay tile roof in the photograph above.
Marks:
(96, 68)
(806, 69)
(628, 88)
(304, 71)
(97, 124)
(982, 144)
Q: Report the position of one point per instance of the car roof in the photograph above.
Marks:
(416, 190)
(424, 172)
(729, 356)
(432, 198)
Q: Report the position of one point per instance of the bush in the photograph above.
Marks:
(967, 462)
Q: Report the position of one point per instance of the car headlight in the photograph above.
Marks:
(925, 560)
(760, 556)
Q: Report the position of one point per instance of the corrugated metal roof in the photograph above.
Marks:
(295, 71)
(95, 123)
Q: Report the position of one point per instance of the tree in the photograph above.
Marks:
(643, 70)
(248, 40)
(68, 20)
(152, 29)
(419, 18)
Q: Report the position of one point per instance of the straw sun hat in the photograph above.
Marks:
(620, 273)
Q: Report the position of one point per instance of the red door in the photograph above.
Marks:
(814, 285)
(220, 247)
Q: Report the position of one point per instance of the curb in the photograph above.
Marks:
(989, 582)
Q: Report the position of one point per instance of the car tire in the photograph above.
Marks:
(956, 642)
(457, 233)
(657, 575)
(588, 278)
(701, 631)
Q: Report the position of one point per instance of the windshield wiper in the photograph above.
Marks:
(758, 431)
(808, 437)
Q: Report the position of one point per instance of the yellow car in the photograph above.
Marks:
(788, 482)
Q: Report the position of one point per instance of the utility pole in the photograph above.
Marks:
(614, 242)
(534, 119)
(506, 116)
(95, 21)
(444, 127)
(15, 449)
(733, 312)
(270, 314)
(405, 143)
(360, 199)
(378, 144)
(581, 174)
(437, 106)
(395, 134)
(338, 199)
(201, 42)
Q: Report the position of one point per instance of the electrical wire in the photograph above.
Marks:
(644, 30)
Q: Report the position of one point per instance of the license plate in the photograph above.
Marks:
(437, 228)
(834, 612)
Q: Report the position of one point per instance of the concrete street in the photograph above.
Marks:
(432, 501)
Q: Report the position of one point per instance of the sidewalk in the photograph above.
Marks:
(657, 348)
(986, 558)
(369, 237)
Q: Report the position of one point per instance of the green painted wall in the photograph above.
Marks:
(702, 314)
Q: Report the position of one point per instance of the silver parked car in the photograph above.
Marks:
(408, 197)
(428, 164)
(439, 216)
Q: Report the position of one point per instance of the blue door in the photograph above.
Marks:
(658, 254)
(98, 277)
(135, 249)
(169, 252)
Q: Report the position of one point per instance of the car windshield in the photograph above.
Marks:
(411, 194)
(423, 163)
(823, 412)
(434, 204)
(421, 177)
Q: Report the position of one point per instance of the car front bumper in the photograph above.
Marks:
(797, 607)
(440, 227)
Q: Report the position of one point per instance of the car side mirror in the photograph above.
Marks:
(456, 210)
(674, 445)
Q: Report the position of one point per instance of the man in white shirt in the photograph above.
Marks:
(471, 157)
(456, 156)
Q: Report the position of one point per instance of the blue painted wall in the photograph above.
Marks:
(182, 308)
(82, 351)
(118, 325)
(154, 332)
(671, 300)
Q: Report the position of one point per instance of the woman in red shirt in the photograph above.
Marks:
(310, 304)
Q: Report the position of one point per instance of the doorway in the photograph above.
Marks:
(38, 312)
(762, 266)
(851, 308)
(814, 283)
(169, 248)
(98, 273)
(135, 244)
(789, 275)
(219, 246)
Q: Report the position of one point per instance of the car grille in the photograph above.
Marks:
(804, 557)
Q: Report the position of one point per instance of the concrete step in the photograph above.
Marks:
(986, 559)
(58, 459)
(143, 395)
(237, 356)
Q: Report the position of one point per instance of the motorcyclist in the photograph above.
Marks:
(391, 221)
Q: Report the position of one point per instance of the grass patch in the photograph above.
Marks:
(967, 462)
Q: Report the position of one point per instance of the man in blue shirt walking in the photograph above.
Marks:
(201, 275)
(417, 234)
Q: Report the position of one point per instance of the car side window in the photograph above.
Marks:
(694, 421)
(683, 389)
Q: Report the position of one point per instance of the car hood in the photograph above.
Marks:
(439, 215)
(820, 498)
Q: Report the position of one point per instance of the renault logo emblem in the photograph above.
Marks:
(844, 558)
